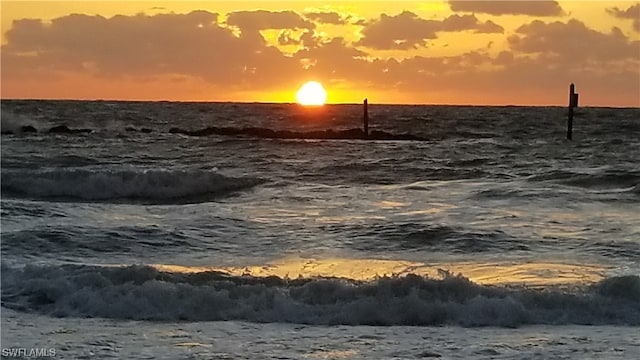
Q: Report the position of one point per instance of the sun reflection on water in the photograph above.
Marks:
(530, 274)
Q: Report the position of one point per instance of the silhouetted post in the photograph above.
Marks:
(366, 119)
(573, 102)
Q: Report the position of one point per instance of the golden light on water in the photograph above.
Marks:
(530, 274)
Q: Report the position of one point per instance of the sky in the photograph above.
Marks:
(411, 52)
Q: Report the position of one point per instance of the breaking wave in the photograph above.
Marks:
(145, 293)
(131, 185)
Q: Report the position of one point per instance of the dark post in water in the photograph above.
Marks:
(573, 102)
(366, 119)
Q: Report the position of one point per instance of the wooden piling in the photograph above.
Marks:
(365, 118)
(573, 102)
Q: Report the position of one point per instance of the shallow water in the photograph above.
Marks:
(124, 220)
(99, 338)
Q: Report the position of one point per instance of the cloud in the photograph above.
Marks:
(508, 76)
(469, 22)
(489, 27)
(361, 22)
(541, 60)
(334, 59)
(326, 17)
(144, 49)
(286, 38)
(408, 31)
(264, 20)
(307, 39)
(402, 32)
(633, 12)
(573, 40)
(142, 46)
(531, 8)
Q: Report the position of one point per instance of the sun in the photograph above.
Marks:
(311, 93)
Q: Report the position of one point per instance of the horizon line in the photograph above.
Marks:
(314, 106)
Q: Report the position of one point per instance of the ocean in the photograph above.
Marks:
(127, 232)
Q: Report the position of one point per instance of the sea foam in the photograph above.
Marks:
(145, 293)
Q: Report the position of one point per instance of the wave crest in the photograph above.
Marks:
(131, 185)
(145, 293)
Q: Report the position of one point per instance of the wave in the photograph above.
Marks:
(378, 173)
(435, 238)
(13, 123)
(127, 185)
(502, 192)
(443, 237)
(252, 132)
(145, 293)
(57, 241)
(354, 133)
(608, 179)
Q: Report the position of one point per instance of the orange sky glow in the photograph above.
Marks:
(413, 52)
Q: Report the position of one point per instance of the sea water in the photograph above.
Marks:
(493, 237)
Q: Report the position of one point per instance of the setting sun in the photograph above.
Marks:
(311, 93)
